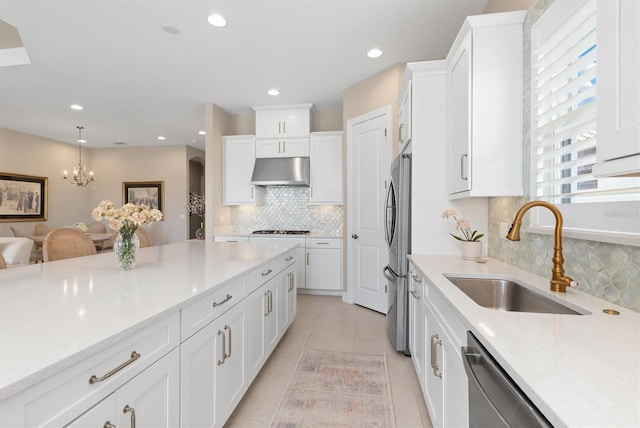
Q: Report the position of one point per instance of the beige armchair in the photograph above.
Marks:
(143, 237)
(97, 227)
(16, 251)
(66, 243)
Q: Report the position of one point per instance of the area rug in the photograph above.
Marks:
(337, 389)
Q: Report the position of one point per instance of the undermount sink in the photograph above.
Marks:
(507, 295)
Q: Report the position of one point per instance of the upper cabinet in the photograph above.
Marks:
(404, 116)
(238, 161)
(293, 121)
(326, 168)
(485, 107)
(618, 88)
(282, 148)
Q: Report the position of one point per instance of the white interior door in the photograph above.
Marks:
(368, 164)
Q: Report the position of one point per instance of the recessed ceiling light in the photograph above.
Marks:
(76, 107)
(171, 29)
(82, 141)
(161, 137)
(119, 143)
(273, 92)
(374, 53)
(202, 133)
(217, 20)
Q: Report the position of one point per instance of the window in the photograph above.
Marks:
(564, 130)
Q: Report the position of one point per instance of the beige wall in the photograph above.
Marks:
(321, 120)
(28, 154)
(494, 6)
(32, 155)
(217, 124)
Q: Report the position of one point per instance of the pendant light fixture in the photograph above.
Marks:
(79, 178)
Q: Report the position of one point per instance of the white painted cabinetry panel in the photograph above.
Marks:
(237, 165)
(326, 168)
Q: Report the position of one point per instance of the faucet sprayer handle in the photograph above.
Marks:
(573, 284)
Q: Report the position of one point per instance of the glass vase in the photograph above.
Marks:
(125, 246)
(200, 232)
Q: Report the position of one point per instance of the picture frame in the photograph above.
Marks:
(150, 193)
(23, 197)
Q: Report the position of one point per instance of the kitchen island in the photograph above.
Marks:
(578, 370)
(62, 318)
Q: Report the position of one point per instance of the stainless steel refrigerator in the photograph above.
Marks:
(398, 237)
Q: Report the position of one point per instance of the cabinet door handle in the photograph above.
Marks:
(292, 282)
(252, 192)
(128, 408)
(284, 126)
(270, 301)
(108, 424)
(267, 272)
(284, 147)
(288, 259)
(307, 259)
(279, 146)
(462, 176)
(435, 341)
(400, 133)
(224, 351)
(95, 379)
(417, 279)
(413, 293)
(226, 327)
(311, 191)
(222, 302)
(266, 304)
(279, 130)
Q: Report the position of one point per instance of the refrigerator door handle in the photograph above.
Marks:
(391, 277)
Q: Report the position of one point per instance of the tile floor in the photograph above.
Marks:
(324, 322)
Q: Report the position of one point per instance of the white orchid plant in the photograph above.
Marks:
(127, 218)
(463, 225)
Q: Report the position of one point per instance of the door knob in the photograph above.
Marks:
(355, 236)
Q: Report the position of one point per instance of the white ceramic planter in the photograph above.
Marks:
(471, 250)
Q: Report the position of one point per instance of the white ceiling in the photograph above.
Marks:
(137, 81)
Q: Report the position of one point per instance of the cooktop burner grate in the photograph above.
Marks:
(280, 232)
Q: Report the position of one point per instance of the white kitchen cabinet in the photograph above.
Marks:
(485, 107)
(417, 325)
(291, 121)
(618, 111)
(404, 115)
(282, 148)
(151, 399)
(300, 253)
(323, 264)
(325, 168)
(213, 376)
(237, 169)
(443, 379)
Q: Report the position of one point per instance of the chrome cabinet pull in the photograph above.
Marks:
(266, 304)
(252, 192)
(95, 379)
(279, 129)
(108, 424)
(226, 327)
(311, 191)
(128, 408)
(413, 293)
(270, 300)
(267, 272)
(279, 146)
(288, 259)
(400, 133)
(284, 126)
(292, 283)
(417, 279)
(323, 243)
(224, 351)
(462, 166)
(307, 259)
(435, 341)
(284, 146)
(222, 302)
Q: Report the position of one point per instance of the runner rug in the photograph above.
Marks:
(337, 389)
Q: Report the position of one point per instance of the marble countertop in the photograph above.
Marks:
(579, 370)
(54, 314)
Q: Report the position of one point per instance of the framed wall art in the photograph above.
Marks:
(23, 197)
(150, 193)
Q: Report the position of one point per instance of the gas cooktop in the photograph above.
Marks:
(280, 232)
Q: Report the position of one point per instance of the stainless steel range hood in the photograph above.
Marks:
(281, 172)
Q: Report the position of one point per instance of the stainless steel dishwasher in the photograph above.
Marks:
(494, 398)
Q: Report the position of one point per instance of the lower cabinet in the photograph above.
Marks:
(323, 264)
(436, 337)
(151, 399)
(213, 377)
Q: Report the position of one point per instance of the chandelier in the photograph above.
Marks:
(80, 178)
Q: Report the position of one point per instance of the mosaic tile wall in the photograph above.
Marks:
(287, 207)
(607, 271)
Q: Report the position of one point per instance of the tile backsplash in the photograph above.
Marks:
(607, 271)
(287, 207)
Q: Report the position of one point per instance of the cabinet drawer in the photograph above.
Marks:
(287, 259)
(211, 306)
(323, 243)
(231, 239)
(262, 274)
(69, 393)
